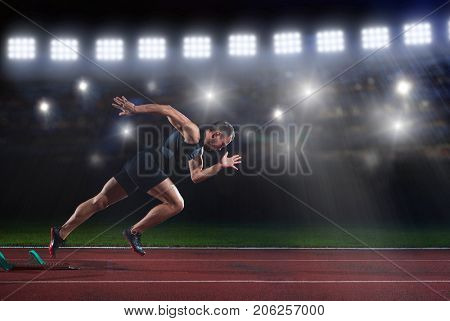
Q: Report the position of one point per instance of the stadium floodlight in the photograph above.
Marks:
(210, 95)
(398, 125)
(375, 38)
(95, 159)
(195, 47)
(109, 49)
(126, 131)
(64, 49)
(371, 159)
(330, 41)
(404, 87)
(287, 43)
(448, 29)
(152, 48)
(242, 45)
(307, 90)
(83, 86)
(417, 34)
(152, 86)
(44, 107)
(277, 113)
(21, 48)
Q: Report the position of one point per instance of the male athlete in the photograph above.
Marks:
(187, 142)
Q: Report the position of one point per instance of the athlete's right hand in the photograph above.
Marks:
(230, 161)
(126, 107)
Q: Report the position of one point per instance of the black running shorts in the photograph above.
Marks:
(144, 171)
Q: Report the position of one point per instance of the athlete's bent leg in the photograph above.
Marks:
(172, 204)
(111, 193)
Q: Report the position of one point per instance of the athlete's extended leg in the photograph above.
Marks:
(172, 203)
(111, 193)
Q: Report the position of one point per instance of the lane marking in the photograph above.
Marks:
(222, 281)
(106, 260)
(235, 248)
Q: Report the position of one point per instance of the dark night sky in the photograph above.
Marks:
(212, 12)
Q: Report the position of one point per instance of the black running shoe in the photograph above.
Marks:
(134, 239)
(55, 241)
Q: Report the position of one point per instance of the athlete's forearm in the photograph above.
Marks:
(177, 119)
(206, 173)
(153, 108)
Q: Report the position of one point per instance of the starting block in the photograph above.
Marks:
(34, 262)
(34, 259)
(5, 265)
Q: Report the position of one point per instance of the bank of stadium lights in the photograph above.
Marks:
(197, 47)
(287, 43)
(24, 48)
(151, 48)
(64, 49)
(417, 34)
(109, 49)
(242, 45)
(330, 41)
(375, 38)
(403, 87)
(21, 48)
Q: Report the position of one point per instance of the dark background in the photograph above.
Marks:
(224, 12)
(46, 163)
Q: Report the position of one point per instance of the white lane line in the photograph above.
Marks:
(222, 281)
(236, 248)
(243, 260)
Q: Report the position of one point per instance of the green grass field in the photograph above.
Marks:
(244, 235)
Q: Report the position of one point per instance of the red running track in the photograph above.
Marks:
(227, 274)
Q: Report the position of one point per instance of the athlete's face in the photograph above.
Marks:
(217, 140)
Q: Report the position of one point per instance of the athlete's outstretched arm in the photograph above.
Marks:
(199, 174)
(184, 125)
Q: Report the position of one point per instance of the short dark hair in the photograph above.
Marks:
(224, 127)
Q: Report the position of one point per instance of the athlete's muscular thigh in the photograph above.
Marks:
(112, 192)
(166, 192)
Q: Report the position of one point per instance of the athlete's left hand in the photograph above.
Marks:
(126, 107)
(230, 161)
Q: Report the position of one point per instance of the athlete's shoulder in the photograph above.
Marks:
(191, 133)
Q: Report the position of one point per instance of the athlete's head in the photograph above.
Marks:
(218, 135)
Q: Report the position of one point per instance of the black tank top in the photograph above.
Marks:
(176, 152)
